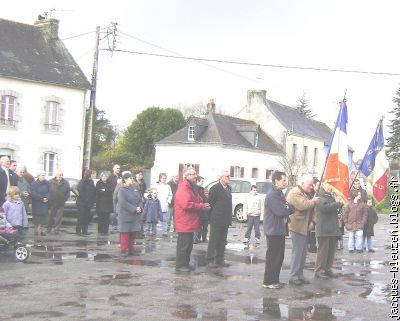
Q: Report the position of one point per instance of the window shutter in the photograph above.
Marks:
(241, 172)
(232, 173)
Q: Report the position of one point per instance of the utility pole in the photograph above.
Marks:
(87, 157)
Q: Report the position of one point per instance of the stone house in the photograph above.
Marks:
(43, 95)
(265, 136)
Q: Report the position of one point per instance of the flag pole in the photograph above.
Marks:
(330, 145)
(380, 124)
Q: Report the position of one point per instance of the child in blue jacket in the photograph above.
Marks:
(152, 213)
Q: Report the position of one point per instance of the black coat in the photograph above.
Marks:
(220, 200)
(87, 193)
(327, 216)
(104, 197)
(371, 221)
(4, 182)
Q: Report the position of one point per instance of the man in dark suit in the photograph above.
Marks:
(7, 178)
(220, 200)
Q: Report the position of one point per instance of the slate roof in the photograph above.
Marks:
(223, 130)
(27, 54)
(295, 121)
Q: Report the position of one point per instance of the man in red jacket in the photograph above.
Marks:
(188, 205)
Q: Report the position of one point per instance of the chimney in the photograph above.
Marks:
(211, 106)
(49, 27)
(255, 97)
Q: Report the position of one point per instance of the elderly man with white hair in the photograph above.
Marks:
(301, 221)
(188, 206)
(220, 199)
(7, 178)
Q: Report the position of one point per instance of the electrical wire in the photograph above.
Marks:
(82, 34)
(260, 64)
(182, 56)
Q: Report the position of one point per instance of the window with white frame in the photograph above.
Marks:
(52, 111)
(49, 163)
(7, 112)
(237, 171)
(191, 133)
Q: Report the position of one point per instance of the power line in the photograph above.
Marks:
(259, 64)
(80, 35)
(182, 56)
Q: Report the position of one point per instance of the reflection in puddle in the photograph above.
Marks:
(270, 308)
(184, 311)
(318, 293)
(378, 293)
(373, 264)
(187, 311)
(118, 279)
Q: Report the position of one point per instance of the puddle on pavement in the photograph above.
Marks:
(271, 308)
(118, 279)
(353, 280)
(184, 311)
(42, 314)
(373, 264)
(187, 311)
(73, 304)
(319, 293)
(11, 286)
(139, 261)
(377, 293)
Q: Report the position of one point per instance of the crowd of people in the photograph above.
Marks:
(197, 214)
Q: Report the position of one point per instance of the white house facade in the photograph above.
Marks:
(209, 160)
(43, 97)
(304, 141)
(265, 136)
(215, 143)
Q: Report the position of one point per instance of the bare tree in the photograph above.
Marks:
(196, 109)
(293, 167)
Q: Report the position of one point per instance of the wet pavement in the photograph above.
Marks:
(71, 277)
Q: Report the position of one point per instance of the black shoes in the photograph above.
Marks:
(218, 265)
(183, 269)
(295, 282)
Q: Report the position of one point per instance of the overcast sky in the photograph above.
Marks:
(348, 35)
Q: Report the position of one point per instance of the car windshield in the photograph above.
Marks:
(263, 187)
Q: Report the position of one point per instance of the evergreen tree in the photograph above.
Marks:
(393, 141)
(303, 107)
(150, 126)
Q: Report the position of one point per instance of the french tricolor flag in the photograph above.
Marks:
(337, 168)
(375, 165)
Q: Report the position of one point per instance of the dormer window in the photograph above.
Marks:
(191, 133)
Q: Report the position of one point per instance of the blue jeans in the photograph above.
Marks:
(164, 223)
(368, 241)
(356, 236)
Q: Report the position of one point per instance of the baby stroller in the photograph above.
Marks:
(9, 238)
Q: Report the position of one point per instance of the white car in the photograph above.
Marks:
(240, 188)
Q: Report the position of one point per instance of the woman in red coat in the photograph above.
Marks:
(188, 205)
